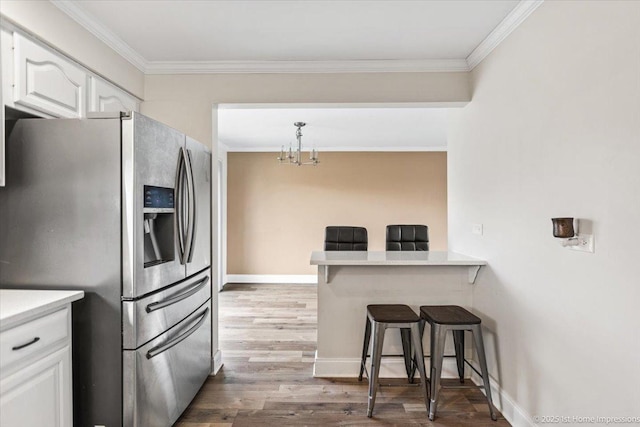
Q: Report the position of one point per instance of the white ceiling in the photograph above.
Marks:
(205, 35)
(267, 128)
(300, 30)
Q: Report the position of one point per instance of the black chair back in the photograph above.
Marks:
(407, 238)
(339, 238)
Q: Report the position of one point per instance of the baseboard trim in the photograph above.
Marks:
(216, 363)
(390, 367)
(271, 278)
(511, 411)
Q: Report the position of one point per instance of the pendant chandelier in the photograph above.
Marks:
(294, 157)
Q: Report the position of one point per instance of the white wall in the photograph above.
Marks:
(553, 129)
(223, 152)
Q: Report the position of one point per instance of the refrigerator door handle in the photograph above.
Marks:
(170, 301)
(191, 204)
(177, 340)
(179, 206)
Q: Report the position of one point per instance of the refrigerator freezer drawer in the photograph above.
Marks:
(162, 377)
(146, 318)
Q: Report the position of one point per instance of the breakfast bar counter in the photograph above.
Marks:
(349, 281)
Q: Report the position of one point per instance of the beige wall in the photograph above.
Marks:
(49, 23)
(184, 101)
(554, 130)
(277, 213)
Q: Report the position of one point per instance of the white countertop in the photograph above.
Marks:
(16, 305)
(435, 258)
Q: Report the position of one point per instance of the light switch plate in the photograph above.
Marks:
(477, 229)
(588, 245)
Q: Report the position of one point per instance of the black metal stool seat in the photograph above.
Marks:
(449, 315)
(380, 317)
(392, 313)
(443, 318)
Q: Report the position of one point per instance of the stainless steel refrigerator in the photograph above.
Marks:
(119, 207)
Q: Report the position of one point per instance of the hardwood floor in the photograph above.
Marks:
(267, 338)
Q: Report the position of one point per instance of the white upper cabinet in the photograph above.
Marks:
(106, 98)
(38, 80)
(46, 81)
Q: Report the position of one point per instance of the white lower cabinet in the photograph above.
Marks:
(38, 394)
(35, 358)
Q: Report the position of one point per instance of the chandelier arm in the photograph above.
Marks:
(295, 158)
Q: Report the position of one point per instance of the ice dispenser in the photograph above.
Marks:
(158, 225)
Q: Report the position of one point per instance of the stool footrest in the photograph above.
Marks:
(413, 384)
(454, 387)
(395, 355)
(474, 368)
(418, 384)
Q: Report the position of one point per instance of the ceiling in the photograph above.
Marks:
(337, 128)
(214, 36)
(299, 30)
(205, 36)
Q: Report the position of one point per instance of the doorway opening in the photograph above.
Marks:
(379, 164)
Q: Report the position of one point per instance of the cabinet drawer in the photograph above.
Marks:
(34, 338)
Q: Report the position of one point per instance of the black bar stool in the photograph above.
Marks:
(407, 238)
(380, 317)
(443, 318)
(342, 238)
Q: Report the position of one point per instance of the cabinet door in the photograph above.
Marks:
(39, 394)
(105, 98)
(46, 81)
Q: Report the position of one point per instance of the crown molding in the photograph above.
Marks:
(504, 28)
(101, 32)
(391, 148)
(342, 66)
(343, 105)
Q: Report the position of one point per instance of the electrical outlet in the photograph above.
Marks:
(586, 243)
(477, 229)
